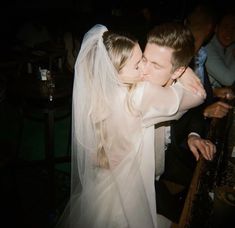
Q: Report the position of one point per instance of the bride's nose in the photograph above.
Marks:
(143, 67)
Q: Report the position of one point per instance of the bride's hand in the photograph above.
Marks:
(192, 83)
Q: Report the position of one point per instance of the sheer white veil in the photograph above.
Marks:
(119, 193)
(94, 84)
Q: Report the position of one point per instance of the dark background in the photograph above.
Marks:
(80, 15)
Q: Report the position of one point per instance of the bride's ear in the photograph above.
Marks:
(178, 72)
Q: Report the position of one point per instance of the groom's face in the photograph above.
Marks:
(157, 66)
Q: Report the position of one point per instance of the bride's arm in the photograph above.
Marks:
(165, 103)
(191, 82)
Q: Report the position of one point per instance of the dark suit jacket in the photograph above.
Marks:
(179, 160)
(178, 151)
(179, 163)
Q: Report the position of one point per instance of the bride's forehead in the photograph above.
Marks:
(136, 53)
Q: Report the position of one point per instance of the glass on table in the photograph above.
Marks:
(50, 85)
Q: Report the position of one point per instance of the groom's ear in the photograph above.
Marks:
(178, 72)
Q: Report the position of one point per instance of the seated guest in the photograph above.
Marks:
(220, 62)
(202, 22)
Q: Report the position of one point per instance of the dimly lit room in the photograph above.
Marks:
(74, 155)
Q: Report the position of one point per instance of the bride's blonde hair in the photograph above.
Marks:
(119, 48)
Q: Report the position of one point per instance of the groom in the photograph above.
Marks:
(168, 52)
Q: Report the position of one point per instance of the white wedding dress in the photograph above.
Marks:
(124, 195)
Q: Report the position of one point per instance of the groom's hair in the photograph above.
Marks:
(176, 36)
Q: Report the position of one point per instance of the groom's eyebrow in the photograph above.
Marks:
(154, 63)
